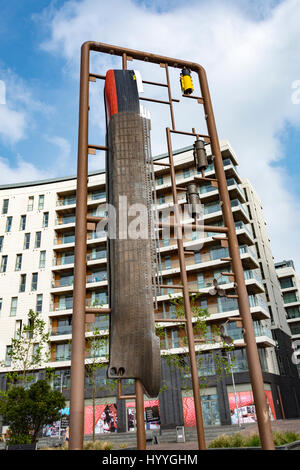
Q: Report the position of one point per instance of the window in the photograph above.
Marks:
(8, 224)
(162, 199)
(168, 263)
(1, 303)
(160, 180)
(39, 303)
(22, 283)
(13, 306)
(186, 173)
(289, 297)
(63, 352)
(5, 206)
(42, 259)
(175, 339)
(41, 202)
(37, 242)
(26, 241)
(45, 219)
(200, 281)
(22, 222)
(197, 256)
(18, 263)
(34, 281)
(3, 264)
(18, 329)
(100, 194)
(286, 282)
(30, 203)
(1, 243)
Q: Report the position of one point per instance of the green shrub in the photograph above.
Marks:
(238, 440)
(97, 445)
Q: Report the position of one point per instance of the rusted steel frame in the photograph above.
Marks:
(255, 372)
(95, 218)
(161, 164)
(155, 83)
(193, 97)
(139, 413)
(187, 307)
(170, 97)
(96, 75)
(251, 348)
(100, 310)
(79, 308)
(98, 147)
(193, 134)
(158, 101)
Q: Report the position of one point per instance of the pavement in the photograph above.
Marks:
(280, 425)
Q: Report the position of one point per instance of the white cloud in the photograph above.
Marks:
(22, 171)
(17, 112)
(251, 55)
(64, 152)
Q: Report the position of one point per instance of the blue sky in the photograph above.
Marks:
(250, 50)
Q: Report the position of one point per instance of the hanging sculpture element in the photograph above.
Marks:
(134, 350)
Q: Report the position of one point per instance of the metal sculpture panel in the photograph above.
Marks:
(134, 347)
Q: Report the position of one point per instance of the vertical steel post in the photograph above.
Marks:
(139, 413)
(187, 306)
(262, 412)
(79, 296)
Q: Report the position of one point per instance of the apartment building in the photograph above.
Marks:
(37, 234)
(290, 289)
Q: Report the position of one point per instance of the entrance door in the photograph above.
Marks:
(210, 409)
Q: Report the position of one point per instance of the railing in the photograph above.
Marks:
(241, 226)
(247, 249)
(250, 274)
(237, 203)
(66, 202)
(63, 282)
(65, 220)
(66, 357)
(55, 306)
(259, 330)
(63, 330)
(96, 277)
(63, 261)
(63, 241)
(97, 255)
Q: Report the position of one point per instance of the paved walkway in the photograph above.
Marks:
(280, 425)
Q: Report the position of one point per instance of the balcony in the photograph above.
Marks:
(66, 220)
(66, 201)
(65, 240)
(63, 330)
(62, 261)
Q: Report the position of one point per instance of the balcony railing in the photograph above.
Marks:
(66, 201)
(65, 220)
(61, 330)
(63, 241)
(63, 261)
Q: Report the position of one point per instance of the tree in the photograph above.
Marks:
(29, 350)
(98, 359)
(26, 411)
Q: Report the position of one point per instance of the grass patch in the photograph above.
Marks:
(253, 440)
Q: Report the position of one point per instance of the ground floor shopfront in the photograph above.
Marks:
(113, 415)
